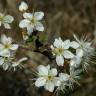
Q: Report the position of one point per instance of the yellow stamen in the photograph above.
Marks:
(7, 46)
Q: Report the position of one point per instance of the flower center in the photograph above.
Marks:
(50, 78)
(7, 46)
(33, 21)
(58, 51)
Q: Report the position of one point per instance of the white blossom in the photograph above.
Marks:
(74, 44)
(6, 46)
(32, 22)
(85, 47)
(8, 62)
(60, 49)
(63, 77)
(46, 77)
(63, 81)
(84, 50)
(23, 6)
(6, 20)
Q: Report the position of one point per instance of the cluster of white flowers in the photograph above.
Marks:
(7, 52)
(84, 52)
(31, 21)
(73, 53)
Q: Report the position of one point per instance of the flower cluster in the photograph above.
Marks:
(74, 54)
(31, 21)
(70, 56)
(7, 53)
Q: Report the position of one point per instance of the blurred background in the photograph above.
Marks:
(62, 18)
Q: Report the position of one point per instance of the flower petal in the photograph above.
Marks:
(4, 53)
(8, 19)
(28, 15)
(63, 77)
(14, 47)
(43, 70)
(49, 86)
(38, 15)
(58, 43)
(75, 61)
(7, 26)
(74, 44)
(60, 60)
(30, 29)
(5, 39)
(1, 46)
(24, 23)
(79, 52)
(39, 26)
(66, 44)
(68, 54)
(40, 82)
(57, 81)
(53, 72)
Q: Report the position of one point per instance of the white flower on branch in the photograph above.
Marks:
(6, 20)
(6, 46)
(84, 50)
(60, 49)
(23, 6)
(8, 63)
(63, 81)
(46, 77)
(32, 22)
